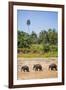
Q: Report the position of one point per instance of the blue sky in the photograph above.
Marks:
(40, 20)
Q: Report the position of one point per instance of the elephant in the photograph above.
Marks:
(53, 66)
(37, 67)
(25, 68)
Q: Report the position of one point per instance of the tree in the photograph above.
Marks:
(43, 37)
(34, 37)
(28, 23)
(53, 36)
(46, 48)
(23, 40)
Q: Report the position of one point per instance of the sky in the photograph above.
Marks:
(40, 20)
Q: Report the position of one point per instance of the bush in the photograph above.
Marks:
(36, 48)
(54, 48)
(46, 48)
(23, 50)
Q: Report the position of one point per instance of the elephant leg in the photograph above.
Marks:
(24, 70)
(40, 69)
(28, 70)
(56, 68)
(37, 69)
(51, 68)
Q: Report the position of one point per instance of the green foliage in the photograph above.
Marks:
(36, 48)
(38, 55)
(33, 37)
(42, 44)
(43, 37)
(46, 48)
(53, 48)
(52, 36)
(24, 40)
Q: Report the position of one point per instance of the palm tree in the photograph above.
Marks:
(28, 23)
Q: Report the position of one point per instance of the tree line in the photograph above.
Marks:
(46, 38)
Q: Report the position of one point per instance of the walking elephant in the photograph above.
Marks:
(25, 68)
(37, 67)
(53, 66)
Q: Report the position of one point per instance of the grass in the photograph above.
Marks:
(37, 55)
(36, 51)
